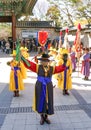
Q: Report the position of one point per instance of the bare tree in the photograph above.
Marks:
(73, 10)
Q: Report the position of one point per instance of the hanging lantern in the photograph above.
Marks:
(42, 37)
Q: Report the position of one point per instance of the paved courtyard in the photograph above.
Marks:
(71, 112)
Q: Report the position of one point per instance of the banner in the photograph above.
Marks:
(42, 37)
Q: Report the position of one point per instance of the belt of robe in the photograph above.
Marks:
(65, 77)
(44, 81)
(15, 76)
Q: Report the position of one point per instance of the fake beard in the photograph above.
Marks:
(65, 57)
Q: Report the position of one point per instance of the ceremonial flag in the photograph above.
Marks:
(18, 50)
(77, 44)
(77, 41)
(42, 37)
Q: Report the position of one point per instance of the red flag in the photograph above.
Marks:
(42, 37)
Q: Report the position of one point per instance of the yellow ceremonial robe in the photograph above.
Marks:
(18, 73)
(61, 78)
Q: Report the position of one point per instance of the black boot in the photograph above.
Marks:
(66, 92)
(14, 94)
(42, 120)
(17, 93)
(73, 70)
(86, 78)
(46, 119)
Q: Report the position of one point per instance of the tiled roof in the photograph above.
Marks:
(35, 24)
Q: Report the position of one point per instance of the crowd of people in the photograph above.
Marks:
(32, 45)
(5, 46)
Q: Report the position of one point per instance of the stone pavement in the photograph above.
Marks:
(71, 112)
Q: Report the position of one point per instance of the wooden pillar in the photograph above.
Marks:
(13, 27)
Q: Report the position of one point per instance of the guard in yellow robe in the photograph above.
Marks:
(16, 79)
(64, 78)
(57, 58)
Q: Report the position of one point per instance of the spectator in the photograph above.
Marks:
(7, 46)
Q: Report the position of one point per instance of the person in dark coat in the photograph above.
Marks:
(43, 102)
